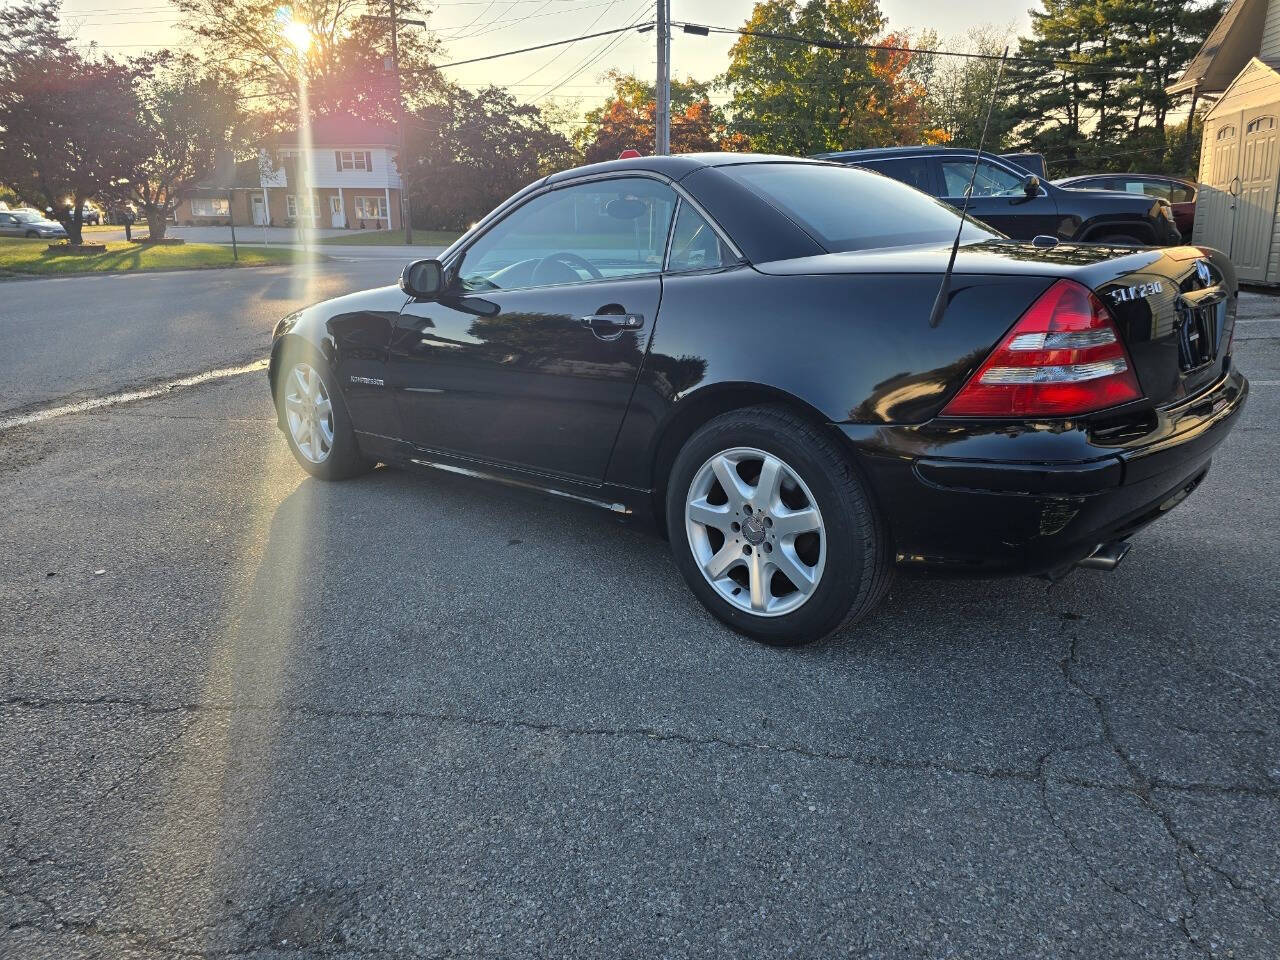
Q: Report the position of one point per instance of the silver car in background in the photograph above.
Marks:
(27, 223)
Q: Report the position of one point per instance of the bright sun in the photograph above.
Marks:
(298, 34)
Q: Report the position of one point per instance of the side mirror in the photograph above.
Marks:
(1031, 185)
(423, 279)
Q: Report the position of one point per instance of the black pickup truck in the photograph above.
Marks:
(1019, 203)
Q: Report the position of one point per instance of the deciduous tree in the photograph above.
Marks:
(344, 66)
(472, 150)
(186, 114)
(69, 123)
(799, 98)
(626, 120)
(960, 88)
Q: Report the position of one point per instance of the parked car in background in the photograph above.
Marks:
(1019, 203)
(1180, 193)
(118, 215)
(29, 223)
(91, 215)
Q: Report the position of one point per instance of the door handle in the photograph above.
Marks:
(612, 321)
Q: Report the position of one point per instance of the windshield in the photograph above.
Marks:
(845, 208)
(27, 217)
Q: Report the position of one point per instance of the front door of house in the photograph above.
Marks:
(337, 219)
(259, 212)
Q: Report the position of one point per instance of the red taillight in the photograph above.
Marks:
(1063, 358)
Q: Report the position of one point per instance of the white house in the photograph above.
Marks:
(340, 173)
(1238, 68)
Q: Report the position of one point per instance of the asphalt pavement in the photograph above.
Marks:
(246, 713)
(74, 337)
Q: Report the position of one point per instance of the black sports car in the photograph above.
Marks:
(744, 351)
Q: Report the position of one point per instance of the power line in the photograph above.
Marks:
(891, 48)
(560, 53)
(540, 46)
(539, 15)
(610, 44)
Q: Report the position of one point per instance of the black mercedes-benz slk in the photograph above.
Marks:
(745, 351)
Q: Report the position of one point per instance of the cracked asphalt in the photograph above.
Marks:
(248, 714)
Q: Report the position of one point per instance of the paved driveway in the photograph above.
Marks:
(244, 713)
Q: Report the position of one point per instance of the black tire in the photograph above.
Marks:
(1123, 239)
(858, 566)
(31, 233)
(344, 459)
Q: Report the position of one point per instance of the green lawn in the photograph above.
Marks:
(392, 238)
(33, 256)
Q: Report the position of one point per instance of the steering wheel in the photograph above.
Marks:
(566, 259)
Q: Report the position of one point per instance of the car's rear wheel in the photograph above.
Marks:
(773, 529)
(315, 418)
(31, 233)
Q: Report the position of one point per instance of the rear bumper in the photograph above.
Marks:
(1037, 496)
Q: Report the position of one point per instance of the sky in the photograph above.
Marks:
(473, 28)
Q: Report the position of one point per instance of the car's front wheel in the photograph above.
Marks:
(773, 529)
(315, 418)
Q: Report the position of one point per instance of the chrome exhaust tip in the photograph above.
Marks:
(1107, 556)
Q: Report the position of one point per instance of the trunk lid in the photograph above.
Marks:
(1176, 315)
(1174, 307)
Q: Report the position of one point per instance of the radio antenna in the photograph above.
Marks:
(944, 289)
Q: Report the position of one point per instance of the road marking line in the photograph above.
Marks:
(1263, 320)
(1264, 383)
(111, 400)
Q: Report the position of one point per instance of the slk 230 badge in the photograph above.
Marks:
(1125, 294)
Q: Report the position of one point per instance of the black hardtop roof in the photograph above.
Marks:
(676, 166)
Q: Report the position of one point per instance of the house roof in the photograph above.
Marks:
(342, 131)
(227, 173)
(1230, 45)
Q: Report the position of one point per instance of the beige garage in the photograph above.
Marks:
(1238, 208)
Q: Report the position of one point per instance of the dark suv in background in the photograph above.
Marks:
(1019, 203)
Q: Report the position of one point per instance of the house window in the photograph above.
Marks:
(210, 207)
(307, 204)
(1226, 132)
(371, 208)
(353, 159)
(1261, 123)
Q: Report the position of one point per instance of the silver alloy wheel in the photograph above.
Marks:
(310, 413)
(744, 532)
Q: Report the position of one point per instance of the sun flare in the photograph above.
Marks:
(298, 34)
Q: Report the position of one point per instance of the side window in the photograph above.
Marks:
(1180, 193)
(591, 231)
(1150, 188)
(913, 171)
(694, 244)
(991, 181)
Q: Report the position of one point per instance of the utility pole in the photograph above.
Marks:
(662, 111)
(404, 152)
